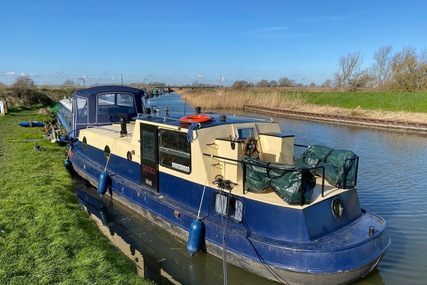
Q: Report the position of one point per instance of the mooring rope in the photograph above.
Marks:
(224, 219)
(109, 155)
(204, 188)
(193, 127)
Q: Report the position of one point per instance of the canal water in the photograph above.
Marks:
(392, 182)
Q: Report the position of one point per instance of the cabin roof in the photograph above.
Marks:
(173, 119)
(88, 92)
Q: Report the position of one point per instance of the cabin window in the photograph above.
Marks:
(107, 152)
(125, 100)
(148, 149)
(235, 207)
(174, 150)
(81, 107)
(84, 143)
(115, 103)
(244, 133)
(129, 156)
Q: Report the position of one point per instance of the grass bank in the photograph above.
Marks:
(383, 105)
(45, 237)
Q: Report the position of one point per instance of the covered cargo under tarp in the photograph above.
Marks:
(293, 184)
(340, 165)
(341, 168)
(313, 156)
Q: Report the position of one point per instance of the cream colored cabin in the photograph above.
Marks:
(215, 151)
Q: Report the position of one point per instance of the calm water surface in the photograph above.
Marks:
(392, 182)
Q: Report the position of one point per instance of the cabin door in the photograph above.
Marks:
(149, 156)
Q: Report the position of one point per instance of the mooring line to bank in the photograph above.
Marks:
(368, 122)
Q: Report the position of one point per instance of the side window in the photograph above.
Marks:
(106, 99)
(174, 150)
(244, 133)
(148, 150)
(114, 103)
(235, 207)
(125, 100)
(81, 109)
(105, 102)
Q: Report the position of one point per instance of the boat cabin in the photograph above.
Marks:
(101, 105)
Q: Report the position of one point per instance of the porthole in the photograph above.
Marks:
(107, 152)
(129, 156)
(84, 143)
(337, 208)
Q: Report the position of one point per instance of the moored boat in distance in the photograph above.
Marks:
(231, 186)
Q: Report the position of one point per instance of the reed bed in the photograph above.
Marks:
(236, 99)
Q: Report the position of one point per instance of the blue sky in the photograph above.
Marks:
(180, 42)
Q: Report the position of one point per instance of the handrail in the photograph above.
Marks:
(282, 166)
(356, 157)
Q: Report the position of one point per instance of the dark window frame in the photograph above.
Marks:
(234, 213)
(174, 151)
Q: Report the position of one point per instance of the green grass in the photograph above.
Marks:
(385, 101)
(45, 237)
(414, 102)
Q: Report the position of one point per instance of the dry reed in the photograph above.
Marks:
(235, 99)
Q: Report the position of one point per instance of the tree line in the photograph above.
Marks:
(404, 70)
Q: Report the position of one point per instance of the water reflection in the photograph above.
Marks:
(391, 183)
(158, 255)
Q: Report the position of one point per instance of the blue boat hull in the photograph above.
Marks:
(331, 260)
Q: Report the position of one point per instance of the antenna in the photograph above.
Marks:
(82, 79)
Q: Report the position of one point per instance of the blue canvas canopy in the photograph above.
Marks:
(104, 104)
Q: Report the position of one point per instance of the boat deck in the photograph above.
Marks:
(112, 133)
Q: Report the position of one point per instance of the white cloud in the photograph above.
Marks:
(11, 73)
(22, 74)
(269, 30)
(200, 76)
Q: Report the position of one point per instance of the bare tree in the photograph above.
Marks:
(69, 83)
(360, 80)
(382, 67)
(409, 70)
(242, 84)
(422, 70)
(350, 67)
(327, 83)
(273, 83)
(262, 83)
(286, 82)
(23, 87)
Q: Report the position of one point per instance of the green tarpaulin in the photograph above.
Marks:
(340, 165)
(287, 181)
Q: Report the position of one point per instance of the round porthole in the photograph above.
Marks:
(129, 156)
(107, 152)
(84, 143)
(337, 208)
